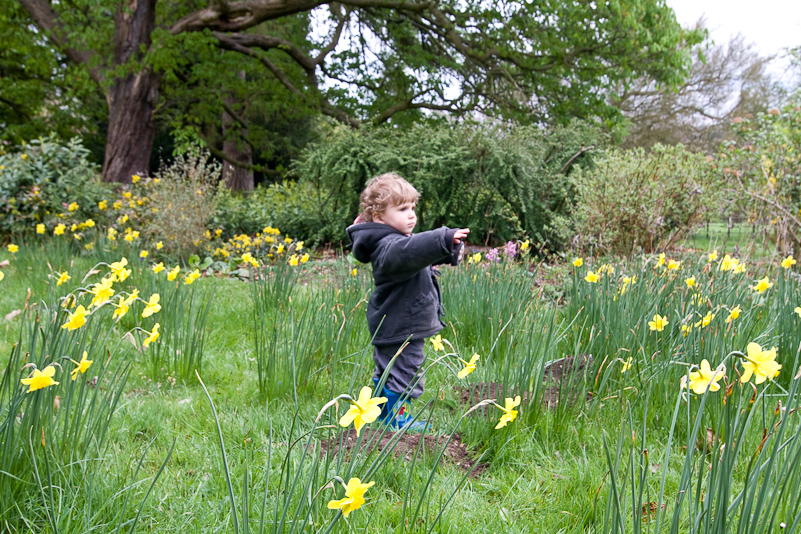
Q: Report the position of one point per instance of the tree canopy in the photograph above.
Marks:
(356, 61)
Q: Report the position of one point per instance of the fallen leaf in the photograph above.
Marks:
(10, 316)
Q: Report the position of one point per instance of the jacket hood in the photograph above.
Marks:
(365, 238)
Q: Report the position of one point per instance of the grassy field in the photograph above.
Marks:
(740, 240)
(612, 446)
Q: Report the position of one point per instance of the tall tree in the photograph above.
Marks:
(725, 81)
(370, 60)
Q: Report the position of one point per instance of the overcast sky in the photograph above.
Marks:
(770, 24)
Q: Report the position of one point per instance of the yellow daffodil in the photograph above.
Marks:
(191, 277)
(354, 497)
(659, 323)
(143, 254)
(469, 367)
(661, 261)
(592, 277)
(117, 204)
(77, 319)
(12, 248)
(510, 413)
(739, 268)
(293, 260)
(89, 223)
(304, 258)
(62, 278)
(686, 329)
(247, 258)
(762, 285)
(59, 229)
(578, 262)
(280, 248)
(298, 246)
(524, 246)
(797, 310)
(82, 366)
(102, 205)
(2, 275)
(102, 292)
(365, 409)
(627, 364)
(733, 314)
(704, 377)
(728, 263)
(475, 258)
(135, 178)
(674, 265)
(436, 342)
(118, 271)
(121, 309)
(706, 320)
(173, 273)
(761, 363)
(152, 306)
(73, 206)
(152, 336)
(354, 272)
(788, 262)
(690, 281)
(159, 245)
(40, 228)
(112, 234)
(158, 267)
(712, 256)
(40, 379)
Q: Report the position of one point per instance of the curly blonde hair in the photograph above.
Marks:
(385, 191)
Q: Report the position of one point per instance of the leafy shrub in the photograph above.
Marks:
(500, 182)
(643, 200)
(763, 170)
(43, 178)
(182, 199)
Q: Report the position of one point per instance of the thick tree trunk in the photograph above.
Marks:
(131, 129)
(131, 100)
(237, 149)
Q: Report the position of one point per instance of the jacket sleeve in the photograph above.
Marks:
(400, 258)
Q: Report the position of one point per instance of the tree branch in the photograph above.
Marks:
(321, 103)
(44, 17)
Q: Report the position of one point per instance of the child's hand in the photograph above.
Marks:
(460, 234)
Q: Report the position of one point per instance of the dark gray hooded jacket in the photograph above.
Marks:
(406, 295)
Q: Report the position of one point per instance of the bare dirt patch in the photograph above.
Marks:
(563, 379)
(456, 452)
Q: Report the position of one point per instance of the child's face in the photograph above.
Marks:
(402, 217)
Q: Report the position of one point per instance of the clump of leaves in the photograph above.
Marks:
(637, 200)
(183, 197)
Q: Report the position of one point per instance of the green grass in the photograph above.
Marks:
(717, 235)
(547, 471)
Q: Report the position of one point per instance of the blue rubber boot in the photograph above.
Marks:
(395, 413)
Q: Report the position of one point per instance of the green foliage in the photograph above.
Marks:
(182, 198)
(763, 171)
(637, 200)
(499, 182)
(42, 178)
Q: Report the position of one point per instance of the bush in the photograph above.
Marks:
(500, 182)
(763, 170)
(181, 201)
(637, 200)
(43, 178)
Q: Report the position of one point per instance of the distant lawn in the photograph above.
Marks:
(717, 236)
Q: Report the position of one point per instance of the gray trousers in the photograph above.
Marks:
(405, 370)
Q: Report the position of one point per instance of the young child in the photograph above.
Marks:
(406, 302)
